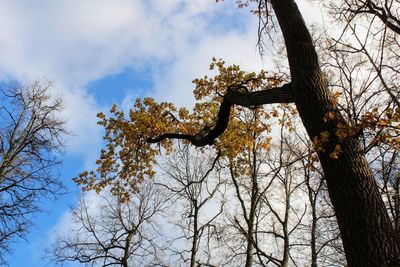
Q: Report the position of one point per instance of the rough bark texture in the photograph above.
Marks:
(366, 230)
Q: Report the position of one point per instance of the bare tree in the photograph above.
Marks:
(196, 186)
(385, 10)
(387, 172)
(321, 233)
(285, 208)
(265, 205)
(30, 147)
(112, 233)
(371, 31)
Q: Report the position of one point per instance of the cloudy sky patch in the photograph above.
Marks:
(100, 52)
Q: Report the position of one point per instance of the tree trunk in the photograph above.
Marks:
(125, 258)
(367, 232)
(286, 241)
(368, 236)
(249, 248)
(195, 236)
(253, 206)
(313, 241)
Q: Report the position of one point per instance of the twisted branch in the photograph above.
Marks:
(234, 96)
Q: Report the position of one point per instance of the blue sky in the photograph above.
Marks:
(100, 52)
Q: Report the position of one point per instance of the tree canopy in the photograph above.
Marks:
(366, 228)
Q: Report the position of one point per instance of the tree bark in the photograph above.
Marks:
(367, 232)
(368, 236)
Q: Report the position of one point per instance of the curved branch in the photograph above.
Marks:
(384, 14)
(234, 96)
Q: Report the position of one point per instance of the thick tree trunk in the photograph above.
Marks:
(366, 230)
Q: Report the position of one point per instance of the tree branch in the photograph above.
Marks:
(234, 96)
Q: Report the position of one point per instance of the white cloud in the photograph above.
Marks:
(174, 84)
(74, 42)
(67, 222)
(80, 112)
(311, 12)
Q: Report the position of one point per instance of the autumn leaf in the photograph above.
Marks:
(127, 158)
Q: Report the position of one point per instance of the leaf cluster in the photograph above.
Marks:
(128, 158)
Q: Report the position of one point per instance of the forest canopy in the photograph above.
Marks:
(343, 91)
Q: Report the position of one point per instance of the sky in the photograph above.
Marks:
(100, 52)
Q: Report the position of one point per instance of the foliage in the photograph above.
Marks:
(335, 124)
(128, 158)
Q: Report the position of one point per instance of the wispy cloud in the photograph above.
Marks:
(75, 42)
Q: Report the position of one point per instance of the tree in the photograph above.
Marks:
(283, 211)
(368, 45)
(245, 176)
(262, 178)
(366, 229)
(30, 147)
(377, 41)
(321, 233)
(112, 233)
(383, 10)
(194, 186)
